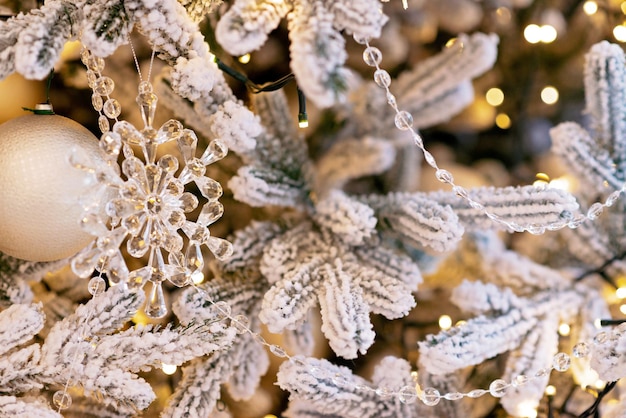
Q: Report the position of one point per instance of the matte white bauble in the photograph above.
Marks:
(39, 208)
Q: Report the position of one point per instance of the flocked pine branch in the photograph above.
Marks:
(536, 208)
(312, 382)
(432, 91)
(317, 44)
(239, 289)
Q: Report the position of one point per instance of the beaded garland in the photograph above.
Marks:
(403, 121)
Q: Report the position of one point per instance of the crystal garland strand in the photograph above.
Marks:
(61, 398)
(403, 121)
(102, 87)
(429, 396)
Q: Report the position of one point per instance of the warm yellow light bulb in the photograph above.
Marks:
(244, 59)
(590, 7)
(168, 369)
(532, 34)
(197, 277)
(494, 96)
(564, 329)
(550, 390)
(548, 34)
(549, 95)
(619, 32)
(622, 309)
(445, 322)
(503, 121)
(623, 7)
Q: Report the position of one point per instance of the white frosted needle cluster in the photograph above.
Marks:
(146, 206)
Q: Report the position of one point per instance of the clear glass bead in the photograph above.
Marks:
(520, 380)
(84, 56)
(241, 323)
(613, 197)
(222, 309)
(601, 338)
(461, 192)
(391, 100)
(104, 86)
(403, 120)
(61, 399)
(96, 102)
(542, 372)
(407, 395)
(430, 159)
(91, 78)
(498, 388)
(453, 396)
(95, 64)
(96, 286)
(111, 143)
(431, 396)
(444, 176)
(581, 350)
(103, 123)
(595, 210)
(383, 392)
(576, 222)
(144, 87)
(372, 56)
(382, 78)
(278, 351)
(476, 393)
(112, 108)
(561, 362)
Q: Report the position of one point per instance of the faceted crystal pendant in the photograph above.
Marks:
(147, 106)
(214, 152)
(169, 131)
(187, 144)
(104, 86)
(221, 248)
(209, 188)
(96, 286)
(61, 399)
(129, 134)
(210, 213)
(498, 388)
(155, 304)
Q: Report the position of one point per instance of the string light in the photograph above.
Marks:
(197, 277)
(550, 390)
(564, 329)
(548, 34)
(549, 95)
(623, 7)
(532, 34)
(619, 32)
(168, 369)
(590, 7)
(244, 59)
(503, 121)
(621, 293)
(494, 96)
(622, 309)
(445, 322)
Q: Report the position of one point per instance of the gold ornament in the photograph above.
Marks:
(40, 209)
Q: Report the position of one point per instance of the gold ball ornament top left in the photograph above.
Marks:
(40, 210)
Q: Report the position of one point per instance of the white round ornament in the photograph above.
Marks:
(39, 209)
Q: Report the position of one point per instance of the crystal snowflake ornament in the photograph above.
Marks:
(146, 206)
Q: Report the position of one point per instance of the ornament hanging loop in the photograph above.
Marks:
(44, 108)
